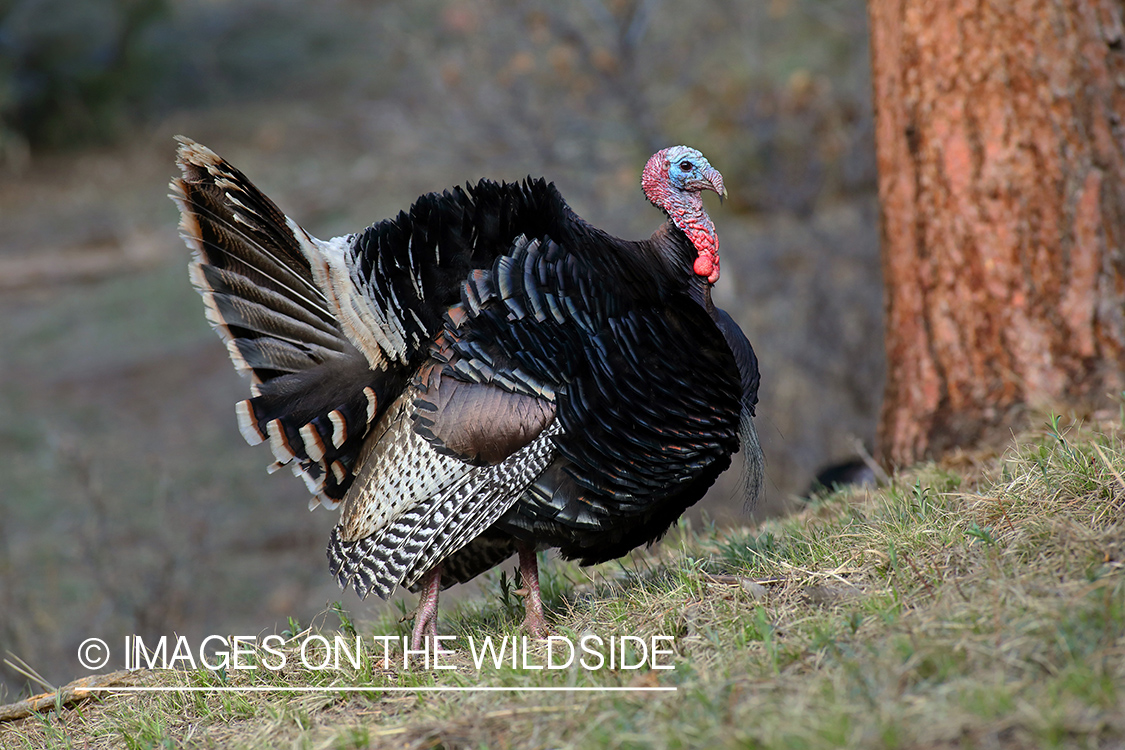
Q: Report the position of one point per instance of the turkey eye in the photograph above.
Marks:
(686, 166)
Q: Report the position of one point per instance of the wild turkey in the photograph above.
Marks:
(484, 374)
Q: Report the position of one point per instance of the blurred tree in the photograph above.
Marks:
(68, 70)
(1001, 157)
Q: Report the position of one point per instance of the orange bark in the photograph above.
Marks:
(1000, 139)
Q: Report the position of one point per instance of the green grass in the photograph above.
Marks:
(976, 609)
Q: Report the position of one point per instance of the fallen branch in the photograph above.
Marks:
(75, 692)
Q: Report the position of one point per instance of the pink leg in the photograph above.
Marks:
(533, 622)
(425, 617)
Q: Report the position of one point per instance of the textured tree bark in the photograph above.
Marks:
(1001, 151)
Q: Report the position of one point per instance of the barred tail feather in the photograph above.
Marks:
(314, 394)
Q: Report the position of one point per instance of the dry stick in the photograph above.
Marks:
(27, 671)
(872, 464)
(75, 692)
(1003, 512)
(925, 583)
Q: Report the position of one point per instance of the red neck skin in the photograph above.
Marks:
(699, 228)
(687, 213)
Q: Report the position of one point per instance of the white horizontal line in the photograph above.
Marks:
(376, 689)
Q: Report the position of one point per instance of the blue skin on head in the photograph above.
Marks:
(690, 171)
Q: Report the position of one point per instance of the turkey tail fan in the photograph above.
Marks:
(314, 394)
(248, 266)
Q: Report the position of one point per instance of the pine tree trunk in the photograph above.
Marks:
(1000, 138)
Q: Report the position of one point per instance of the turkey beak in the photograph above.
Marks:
(715, 182)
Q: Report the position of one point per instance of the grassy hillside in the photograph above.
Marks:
(979, 603)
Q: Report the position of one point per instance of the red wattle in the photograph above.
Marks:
(706, 265)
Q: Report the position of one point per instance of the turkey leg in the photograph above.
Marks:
(425, 617)
(533, 622)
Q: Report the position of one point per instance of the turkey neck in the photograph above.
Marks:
(677, 253)
(671, 253)
(693, 220)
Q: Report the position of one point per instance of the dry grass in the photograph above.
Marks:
(961, 606)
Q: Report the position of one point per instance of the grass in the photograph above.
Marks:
(961, 605)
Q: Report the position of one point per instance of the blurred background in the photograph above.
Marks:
(129, 502)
